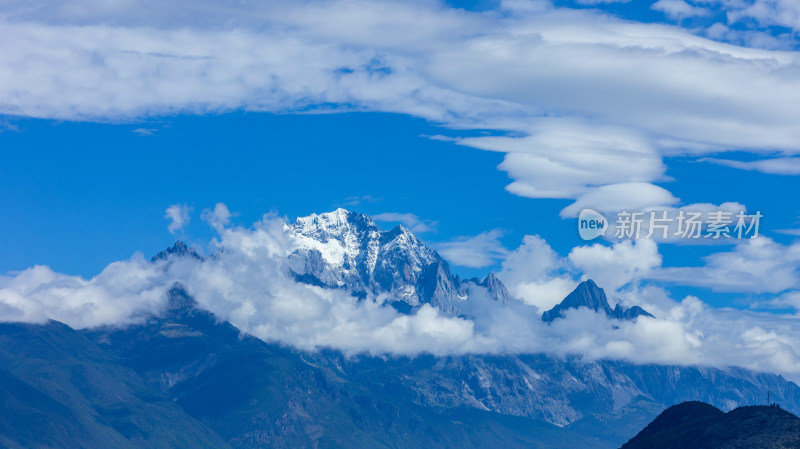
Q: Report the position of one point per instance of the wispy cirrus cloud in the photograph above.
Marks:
(145, 131)
(475, 251)
(359, 200)
(758, 265)
(775, 166)
(600, 2)
(766, 13)
(412, 222)
(679, 9)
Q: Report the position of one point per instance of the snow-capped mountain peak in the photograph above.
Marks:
(336, 224)
(344, 249)
(337, 235)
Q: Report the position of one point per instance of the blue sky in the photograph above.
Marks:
(100, 190)
(484, 126)
(465, 118)
(86, 194)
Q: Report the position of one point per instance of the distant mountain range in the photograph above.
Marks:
(185, 379)
(188, 379)
(696, 425)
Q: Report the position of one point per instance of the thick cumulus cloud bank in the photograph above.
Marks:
(122, 294)
(246, 283)
(618, 95)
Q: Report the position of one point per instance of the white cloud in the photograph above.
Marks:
(535, 274)
(751, 38)
(784, 13)
(794, 231)
(6, 125)
(246, 286)
(562, 158)
(753, 266)
(411, 221)
(686, 332)
(679, 9)
(178, 216)
(757, 265)
(475, 251)
(358, 200)
(122, 293)
(618, 265)
(776, 166)
(217, 218)
(574, 87)
(246, 283)
(533, 259)
(630, 196)
(600, 2)
(789, 299)
(145, 131)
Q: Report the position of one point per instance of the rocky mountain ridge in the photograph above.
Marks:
(588, 294)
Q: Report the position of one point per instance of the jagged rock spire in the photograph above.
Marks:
(588, 294)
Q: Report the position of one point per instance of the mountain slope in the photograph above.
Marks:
(606, 399)
(697, 425)
(255, 394)
(58, 389)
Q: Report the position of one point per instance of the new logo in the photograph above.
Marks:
(591, 224)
